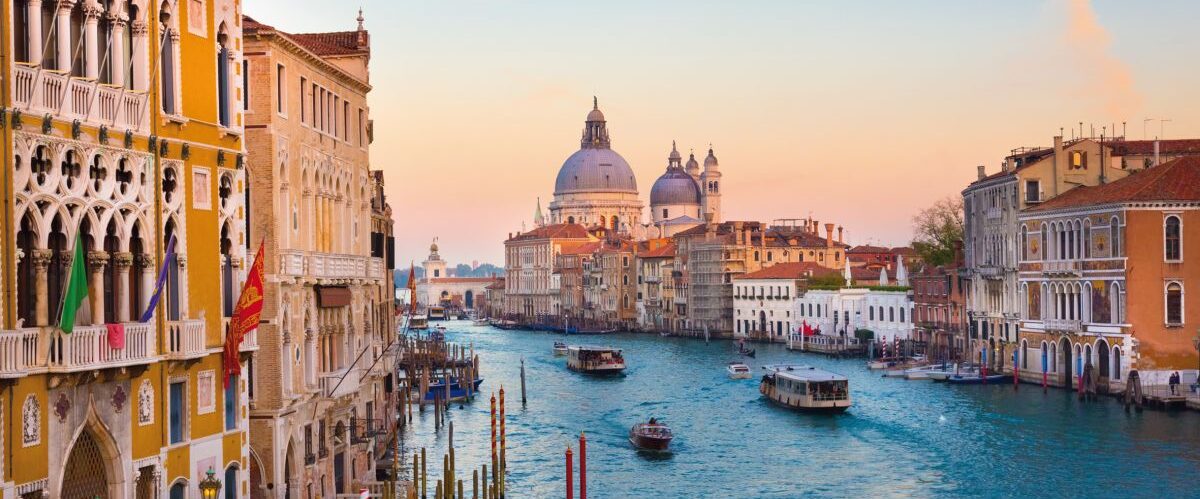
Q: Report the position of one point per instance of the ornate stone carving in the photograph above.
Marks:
(119, 397)
(41, 258)
(122, 260)
(145, 260)
(146, 403)
(139, 28)
(62, 407)
(182, 260)
(31, 422)
(97, 260)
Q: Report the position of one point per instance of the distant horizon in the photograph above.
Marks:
(857, 114)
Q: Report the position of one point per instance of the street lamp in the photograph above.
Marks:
(210, 487)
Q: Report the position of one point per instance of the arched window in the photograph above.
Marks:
(231, 482)
(1174, 298)
(179, 490)
(167, 60)
(571, 220)
(891, 314)
(1045, 365)
(756, 256)
(1116, 361)
(26, 275)
(902, 314)
(1115, 229)
(1173, 244)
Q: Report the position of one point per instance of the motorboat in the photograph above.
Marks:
(595, 359)
(437, 313)
(952, 369)
(418, 322)
(979, 379)
(651, 436)
(923, 372)
(560, 348)
(458, 391)
(480, 322)
(805, 388)
(738, 370)
(590, 330)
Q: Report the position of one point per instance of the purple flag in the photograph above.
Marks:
(162, 279)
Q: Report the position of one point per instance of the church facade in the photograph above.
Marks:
(439, 288)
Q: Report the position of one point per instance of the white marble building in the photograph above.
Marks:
(887, 313)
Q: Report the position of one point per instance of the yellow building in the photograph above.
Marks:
(124, 128)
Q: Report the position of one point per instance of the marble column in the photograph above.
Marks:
(41, 283)
(123, 261)
(91, 49)
(97, 260)
(116, 48)
(146, 262)
(33, 12)
(63, 32)
(310, 357)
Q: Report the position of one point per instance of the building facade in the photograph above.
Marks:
(328, 317)
(1104, 277)
(764, 300)
(439, 288)
(842, 311)
(939, 314)
(529, 259)
(106, 154)
(656, 289)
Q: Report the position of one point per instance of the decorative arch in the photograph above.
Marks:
(92, 450)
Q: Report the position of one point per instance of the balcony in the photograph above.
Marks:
(363, 430)
(330, 265)
(42, 91)
(1061, 268)
(333, 385)
(185, 339)
(21, 352)
(377, 267)
(87, 348)
(1065, 325)
(250, 341)
(652, 279)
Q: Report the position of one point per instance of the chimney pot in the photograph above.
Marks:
(981, 171)
(839, 233)
(828, 235)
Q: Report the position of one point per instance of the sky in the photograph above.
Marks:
(857, 113)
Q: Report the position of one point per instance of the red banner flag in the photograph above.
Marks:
(412, 289)
(245, 316)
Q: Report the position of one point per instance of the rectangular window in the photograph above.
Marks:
(346, 121)
(231, 403)
(362, 128)
(178, 411)
(316, 109)
(333, 124)
(303, 107)
(280, 77)
(245, 84)
(1033, 191)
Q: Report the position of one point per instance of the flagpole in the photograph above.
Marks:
(70, 273)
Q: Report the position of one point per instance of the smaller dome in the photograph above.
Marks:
(674, 151)
(433, 248)
(675, 187)
(710, 160)
(595, 115)
(691, 162)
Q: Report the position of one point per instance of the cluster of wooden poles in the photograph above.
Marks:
(450, 486)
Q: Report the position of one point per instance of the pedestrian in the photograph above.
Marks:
(1172, 381)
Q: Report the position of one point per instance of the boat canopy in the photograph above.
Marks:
(803, 373)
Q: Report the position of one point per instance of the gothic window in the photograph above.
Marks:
(167, 60)
(31, 422)
(112, 244)
(169, 183)
(21, 30)
(131, 11)
(103, 39)
(226, 271)
(49, 36)
(26, 273)
(76, 40)
(1171, 232)
(71, 169)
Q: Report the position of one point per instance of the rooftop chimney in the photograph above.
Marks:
(1156, 151)
(828, 235)
(839, 233)
(982, 173)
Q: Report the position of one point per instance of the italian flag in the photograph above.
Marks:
(77, 288)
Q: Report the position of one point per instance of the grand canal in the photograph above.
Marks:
(901, 438)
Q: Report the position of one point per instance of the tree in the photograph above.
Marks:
(937, 230)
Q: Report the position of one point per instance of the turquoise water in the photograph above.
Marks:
(901, 438)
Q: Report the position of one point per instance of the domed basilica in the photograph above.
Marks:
(596, 187)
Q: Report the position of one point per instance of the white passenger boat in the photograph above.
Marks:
(560, 348)
(805, 388)
(737, 370)
(923, 372)
(594, 359)
(418, 322)
(951, 369)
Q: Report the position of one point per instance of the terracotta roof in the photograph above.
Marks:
(904, 250)
(866, 248)
(1176, 180)
(1181, 146)
(323, 44)
(788, 270)
(555, 231)
(459, 280)
(867, 273)
(579, 247)
(499, 284)
(664, 251)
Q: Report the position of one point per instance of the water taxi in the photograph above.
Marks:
(951, 370)
(437, 313)
(418, 322)
(923, 372)
(457, 391)
(738, 370)
(593, 359)
(651, 436)
(805, 388)
(560, 348)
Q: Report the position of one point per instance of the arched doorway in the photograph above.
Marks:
(762, 321)
(469, 299)
(1102, 361)
(1064, 346)
(87, 474)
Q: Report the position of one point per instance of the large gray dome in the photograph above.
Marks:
(595, 170)
(674, 187)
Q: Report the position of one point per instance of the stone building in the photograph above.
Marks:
(1085, 254)
(939, 311)
(656, 289)
(529, 266)
(763, 300)
(439, 288)
(568, 267)
(328, 318)
(104, 152)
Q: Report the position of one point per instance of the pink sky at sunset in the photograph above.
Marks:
(856, 114)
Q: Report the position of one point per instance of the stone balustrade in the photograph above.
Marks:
(88, 348)
(42, 91)
(22, 352)
(185, 339)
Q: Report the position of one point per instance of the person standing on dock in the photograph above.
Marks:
(1173, 382)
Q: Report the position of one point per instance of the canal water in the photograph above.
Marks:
(900, 438)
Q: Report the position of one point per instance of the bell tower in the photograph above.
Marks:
(434, 266)
(710, 185)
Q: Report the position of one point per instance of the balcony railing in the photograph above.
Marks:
(330, 265)
(88, 348)
(43, 91)
(21, 352)
(1068, 325)
(363, 430)
(250, 341)
(1061, 267)
(185, 339)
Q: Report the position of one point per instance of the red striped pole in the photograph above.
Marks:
(570, 486)
(1045, 380)
(582, 466)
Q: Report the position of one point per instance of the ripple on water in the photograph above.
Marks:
(901, 438)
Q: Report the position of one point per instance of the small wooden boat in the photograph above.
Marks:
(738, 370)
(480, 322)
(437, 390)
(595, 360)
(650, 436)
(805, 388)
(589, 331)
(560, 348)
